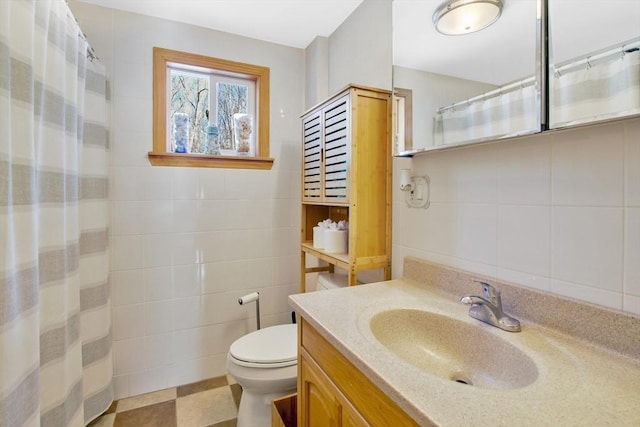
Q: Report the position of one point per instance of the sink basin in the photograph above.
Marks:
(452, 349)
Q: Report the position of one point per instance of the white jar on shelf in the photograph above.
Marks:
(243, 133)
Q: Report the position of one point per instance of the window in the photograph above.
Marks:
(403, 109)
(195, 96)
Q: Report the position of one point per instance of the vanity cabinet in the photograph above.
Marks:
(346, 175)
(333, 392)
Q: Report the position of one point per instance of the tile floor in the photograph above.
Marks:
(209, 403)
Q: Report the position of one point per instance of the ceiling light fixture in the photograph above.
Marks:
(457, 17)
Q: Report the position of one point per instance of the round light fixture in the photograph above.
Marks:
(457, 17)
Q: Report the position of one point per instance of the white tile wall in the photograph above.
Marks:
(476, 233)
(187, 242)
(158, 283)
(632, 163)
(631, 303)
(523, 238)
(127, 287)
(525, 174)
(587, 166)
(632, 252)
(476, 176)
(128, 321)
(587, 246)
(129, 356)
(126, 252)
(587, 293)
(558, 212)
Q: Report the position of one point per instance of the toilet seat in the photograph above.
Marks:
(272, 347)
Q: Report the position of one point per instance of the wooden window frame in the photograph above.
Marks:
(162, 58)
(407, 94)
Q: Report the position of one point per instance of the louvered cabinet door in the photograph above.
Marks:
(346, 176)
(312, 157)
(337, 150)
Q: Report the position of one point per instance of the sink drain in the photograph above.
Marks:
(461, 379)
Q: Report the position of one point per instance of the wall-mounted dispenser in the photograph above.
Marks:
(405, 180)
(416, 189)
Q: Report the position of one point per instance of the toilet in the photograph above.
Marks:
(265, 364)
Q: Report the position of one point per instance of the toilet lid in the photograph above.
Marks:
(272, 345)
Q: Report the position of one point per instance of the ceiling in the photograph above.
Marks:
(297, 22)
(289, 22)
(501, 53)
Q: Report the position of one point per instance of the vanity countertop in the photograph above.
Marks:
(578, 383)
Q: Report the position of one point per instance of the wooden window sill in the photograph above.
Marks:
(209, 161)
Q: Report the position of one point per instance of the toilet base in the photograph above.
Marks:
(255, 408)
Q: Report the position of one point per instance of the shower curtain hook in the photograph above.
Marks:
(556, 72)
(589, 62)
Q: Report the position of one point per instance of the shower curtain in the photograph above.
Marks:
(602, 86)
(508, 111)
(55, 319)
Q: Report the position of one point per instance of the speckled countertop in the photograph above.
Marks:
(578, 384)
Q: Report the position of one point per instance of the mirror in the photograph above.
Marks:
(594, 71)
(468, 88)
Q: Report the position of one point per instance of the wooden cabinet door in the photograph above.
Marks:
(322, 404)
(326, 153)
(318, 406)
(351, 417)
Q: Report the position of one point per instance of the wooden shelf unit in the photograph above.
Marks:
(346, 175)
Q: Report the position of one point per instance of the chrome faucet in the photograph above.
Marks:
(488, 309)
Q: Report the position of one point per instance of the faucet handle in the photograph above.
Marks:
(490, 293)
(472, 299)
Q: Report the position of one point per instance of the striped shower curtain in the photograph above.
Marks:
(55, 320)
(508, 111)
(601, 86)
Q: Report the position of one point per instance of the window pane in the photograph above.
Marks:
(232, 99)
(188, 112)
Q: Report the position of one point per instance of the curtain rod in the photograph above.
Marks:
(91, 54)
(623, 49)
(508, 88)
